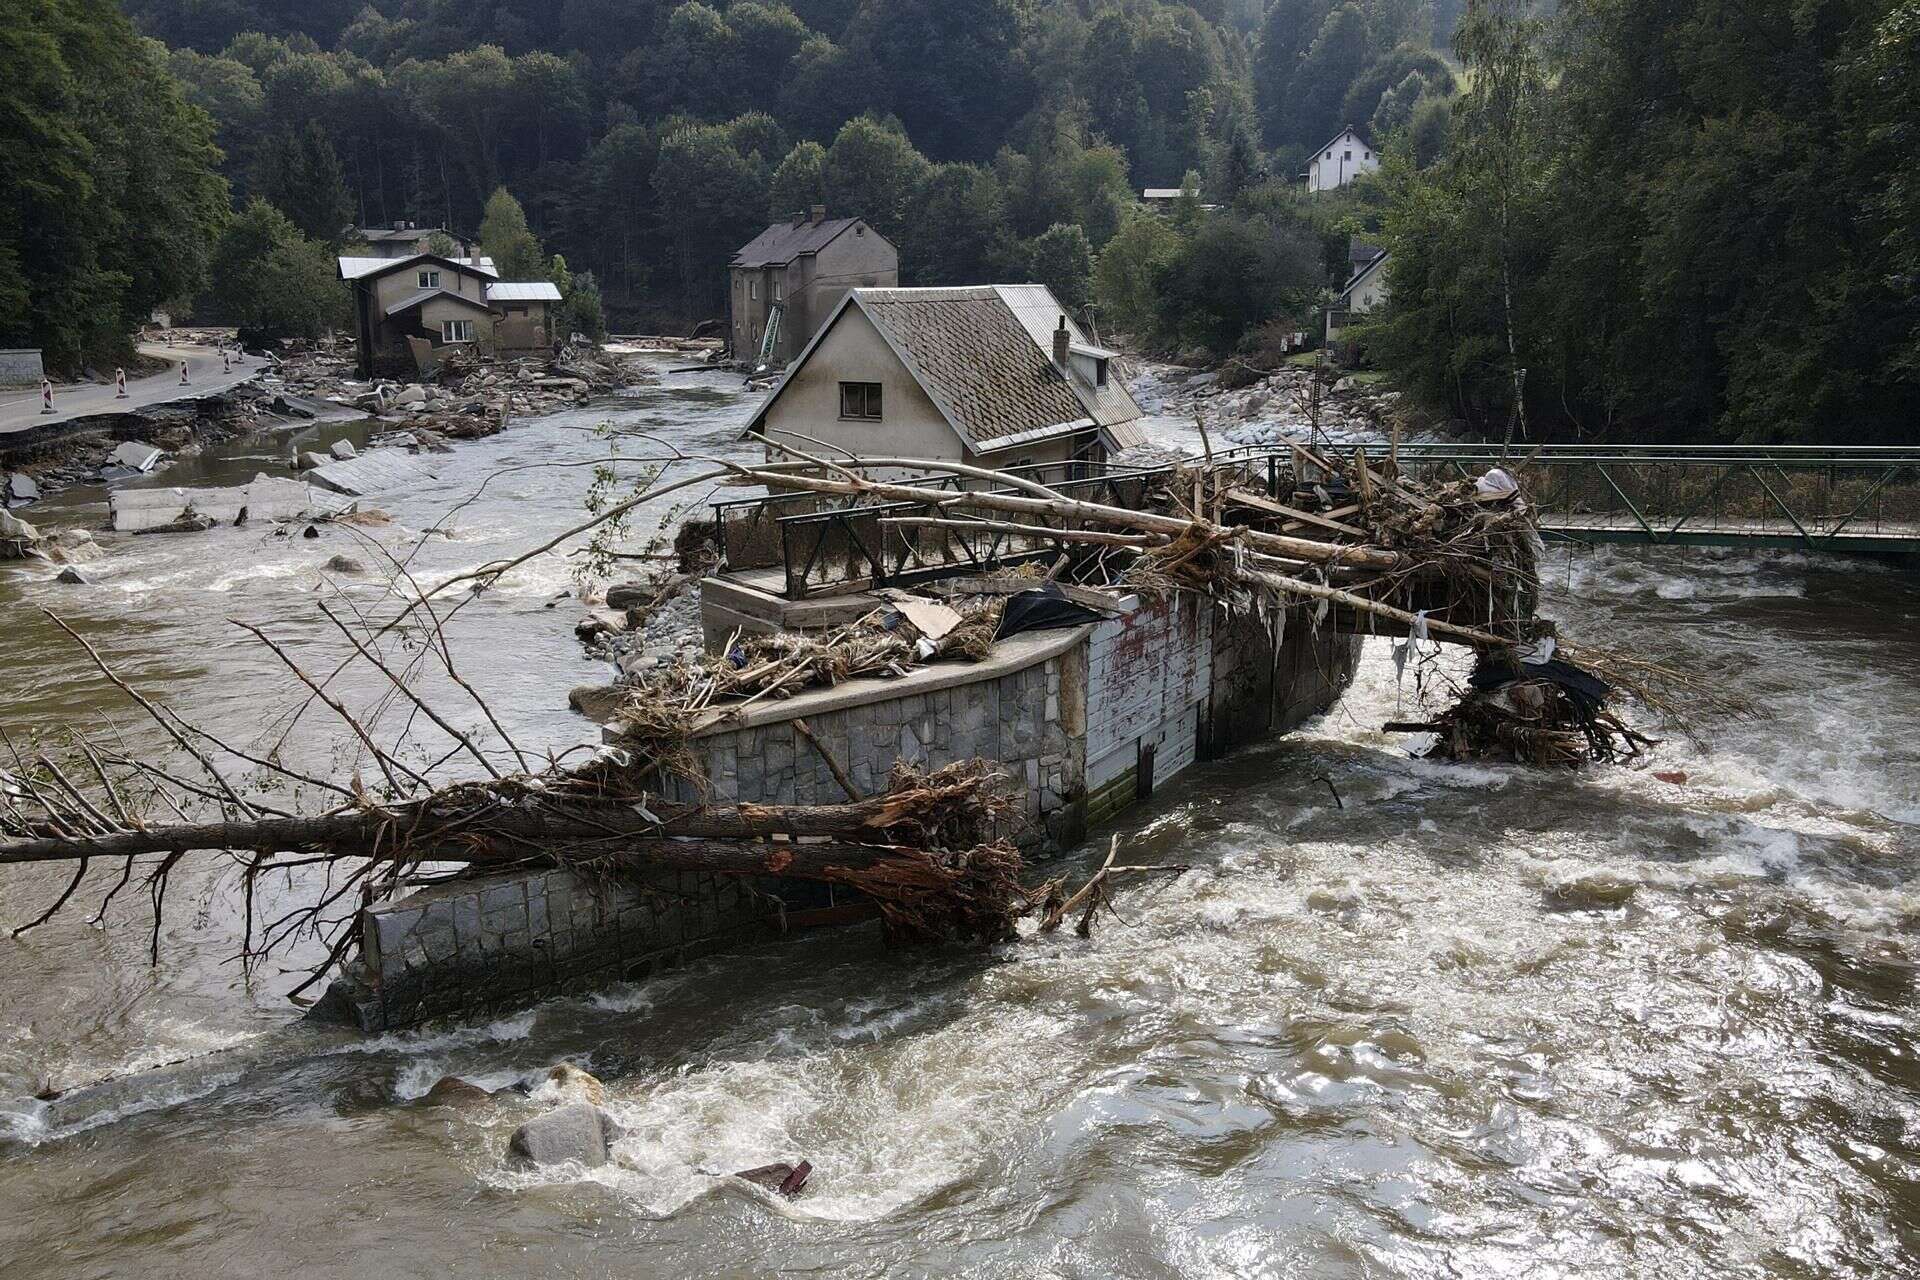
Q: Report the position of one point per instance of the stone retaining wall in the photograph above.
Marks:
(20, 366)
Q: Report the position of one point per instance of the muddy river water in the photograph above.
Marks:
(1476, 1022)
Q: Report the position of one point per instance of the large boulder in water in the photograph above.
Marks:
(452, 1091)
(580, 1133)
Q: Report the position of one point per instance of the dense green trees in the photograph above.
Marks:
(1697, 215)
(110, 203)
(271, 282)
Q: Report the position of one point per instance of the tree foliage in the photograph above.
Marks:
(1704, 229)
(271, 282)
(110, 202)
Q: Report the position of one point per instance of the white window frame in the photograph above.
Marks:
(429, 279)
(456, 331)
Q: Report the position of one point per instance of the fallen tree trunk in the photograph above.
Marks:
(360, 832)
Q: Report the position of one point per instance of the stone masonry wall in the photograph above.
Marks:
(505, 940)
(20, 366)
(1020, 721)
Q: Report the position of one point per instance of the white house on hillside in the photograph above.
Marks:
(1341, 161)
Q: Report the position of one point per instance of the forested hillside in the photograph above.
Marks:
(1620, 216)
(647, 139)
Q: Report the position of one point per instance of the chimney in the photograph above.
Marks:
(1060, 345)
(819, 213)
(799, 217)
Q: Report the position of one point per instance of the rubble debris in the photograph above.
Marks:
(579, 1133)
(1550, 714)
(136, 457)
(18, 539)
(785, 1179)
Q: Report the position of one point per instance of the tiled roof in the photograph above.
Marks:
(976, 360)
(984, 356)
(782, 242)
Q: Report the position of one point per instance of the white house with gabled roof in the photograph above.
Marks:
(1341, 160)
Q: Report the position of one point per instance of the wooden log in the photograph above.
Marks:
(1098, 513)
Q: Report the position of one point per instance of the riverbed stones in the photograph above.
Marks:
(343, 450)
(570, 1084)
(452, 1091)
(73, 577)
(579, 1133)
(344, 564)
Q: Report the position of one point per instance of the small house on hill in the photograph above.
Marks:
(990, 375)
(407, 311)
(1365, 289)
(790, 277)
(402, 240)
(1348, 155)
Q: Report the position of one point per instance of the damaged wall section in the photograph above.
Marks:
(1084, 721)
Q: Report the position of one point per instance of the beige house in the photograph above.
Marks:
(1366, 289)
(791, 276)
(405, 309)
(991, 375)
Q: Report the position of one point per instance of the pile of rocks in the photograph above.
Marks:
(22, 541)
(1274, 406)
(643, 625)
(464, 398)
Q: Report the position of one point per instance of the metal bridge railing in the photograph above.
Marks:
(1811, 496)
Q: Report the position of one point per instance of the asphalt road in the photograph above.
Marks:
(20, 410)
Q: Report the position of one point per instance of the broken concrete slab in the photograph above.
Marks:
(136, 456)
(371, 473)
(266, 499)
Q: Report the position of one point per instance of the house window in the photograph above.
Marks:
(1346, 155)
(777, 294)
(1329, 155)
(860, 400)
(429, 279)
(457, 331)
(753, 289)
(1366, 155)
(1099, 373)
